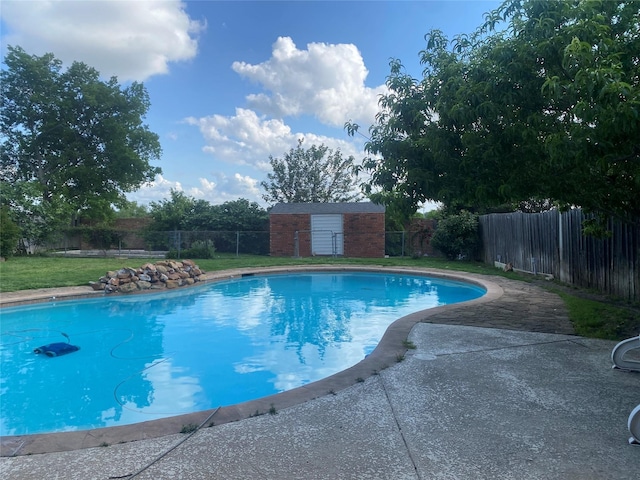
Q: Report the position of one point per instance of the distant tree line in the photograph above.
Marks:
(181, 212)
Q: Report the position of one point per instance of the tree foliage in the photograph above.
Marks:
(131, 209)
(37, 222)
(181, 212)
(78, 141)
(541, 103)
(170, 214)
(9, 233)
(240, 215)
(316, 174)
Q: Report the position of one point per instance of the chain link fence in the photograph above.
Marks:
(175, 244)
(202, 244)
(182, 242)
(408, 244)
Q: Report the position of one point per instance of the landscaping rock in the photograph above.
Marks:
(128, 287)
(164, 274)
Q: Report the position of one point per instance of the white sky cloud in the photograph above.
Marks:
(155, 191)
(243, 139)
(249, 139)
(326, 81)
(130, 39)
(222, 188)
(216, 189)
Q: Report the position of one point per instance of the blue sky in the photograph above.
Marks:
(232, 83)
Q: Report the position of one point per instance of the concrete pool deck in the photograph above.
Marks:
(522, 399)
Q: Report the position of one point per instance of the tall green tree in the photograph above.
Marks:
(79, 141)
(542, 102)
(316, 174)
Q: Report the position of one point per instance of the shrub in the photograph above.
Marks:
(198, 249)
(9, 234)
(456, 236)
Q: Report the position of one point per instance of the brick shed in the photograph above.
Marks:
(337, 229)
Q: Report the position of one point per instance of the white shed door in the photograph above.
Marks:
(326, 235)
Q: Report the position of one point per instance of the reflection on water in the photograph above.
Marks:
(152, 356)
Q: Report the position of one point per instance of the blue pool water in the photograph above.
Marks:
(151, 356)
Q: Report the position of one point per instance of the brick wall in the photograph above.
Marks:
(282, 228)
(364, 234)
(131, 224)
(132, 231)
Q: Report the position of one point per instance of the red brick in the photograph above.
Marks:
(364, 234)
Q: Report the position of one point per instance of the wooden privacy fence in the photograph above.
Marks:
(552, 243)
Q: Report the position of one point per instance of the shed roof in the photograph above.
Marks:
(326, 208)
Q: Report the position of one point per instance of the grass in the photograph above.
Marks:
(591, 318)
(189, 428)
(597, 319)
(26, 273)
(408, 344)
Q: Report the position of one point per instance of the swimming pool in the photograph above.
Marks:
(148, 357)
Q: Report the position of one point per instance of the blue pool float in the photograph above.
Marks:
(56, 349)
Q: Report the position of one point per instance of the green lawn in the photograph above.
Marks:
(597, 319)
(591, 318)
(24, 273)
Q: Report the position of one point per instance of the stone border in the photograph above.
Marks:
(390, 348)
